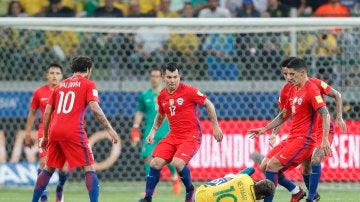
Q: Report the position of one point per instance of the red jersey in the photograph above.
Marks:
(70, 99)
(40, 99)
(181, 109)
(304, 103)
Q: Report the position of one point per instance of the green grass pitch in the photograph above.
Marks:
(131, 192)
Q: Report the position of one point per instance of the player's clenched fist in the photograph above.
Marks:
(43, 143)
(150, 137)
(29, 142)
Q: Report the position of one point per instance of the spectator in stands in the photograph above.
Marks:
(188, 11)
(149, 7)
(15, 10)
(62, 43)
(108, 10)
(332, 9)
(4, 7)
(57, 9)
(247, 10)
(303, 7)
(214, 11)
(164, 10)
(134, 10)
(353, 6)
(35, 8)
(276, 9)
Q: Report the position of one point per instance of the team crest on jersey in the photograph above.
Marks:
(171, 102)
(180, 101)
(299, 101)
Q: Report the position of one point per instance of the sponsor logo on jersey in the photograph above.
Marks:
(95, 93)
(323, 85)
(180, 101)
(319, 99)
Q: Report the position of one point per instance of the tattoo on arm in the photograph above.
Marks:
(158, 121)
(338, 102)
(99, 115)
(325, 120)
(278, 120)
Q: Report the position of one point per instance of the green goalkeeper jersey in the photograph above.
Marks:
(148, 105)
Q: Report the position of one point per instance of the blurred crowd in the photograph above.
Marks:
(179, 8)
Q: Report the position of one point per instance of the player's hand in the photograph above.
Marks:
(341, 123)
(325, 145)
(272, 140)
(150, 138)
(114, 136)
(256, 132)
(218, 134)
(135, 136)
(29, 142)
(43, 143)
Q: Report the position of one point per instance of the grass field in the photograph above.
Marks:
(131, 192)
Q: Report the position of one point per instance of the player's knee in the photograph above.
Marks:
(317, 157)
(179, 165)
(157, 163)
(274, 165)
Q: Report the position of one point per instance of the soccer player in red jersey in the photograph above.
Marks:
(39, 100)
(178, 102)
(68, 140)
(304, 100)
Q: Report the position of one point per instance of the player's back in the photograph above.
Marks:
(239, 189)
(69, 100)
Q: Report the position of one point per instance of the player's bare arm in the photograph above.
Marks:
(159, 119)
(100, 116)
(209, 106)
(338, 103)
(46, 122)
(326, 125)
(135, 132)
(29, 142)
(277, 121)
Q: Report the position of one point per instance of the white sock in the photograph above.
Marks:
(295, 190)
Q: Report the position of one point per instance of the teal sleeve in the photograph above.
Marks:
(140, 106)
(247, 171)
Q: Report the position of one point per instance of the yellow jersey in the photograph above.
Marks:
(239, 189)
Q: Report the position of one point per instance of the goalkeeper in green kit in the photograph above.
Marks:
(147, 106)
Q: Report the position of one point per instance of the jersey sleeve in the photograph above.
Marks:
(282, 98)
(315, 98)
(322, 85)
(140, 105)
(197, 96)
(51, 100)
(160, 106)
(35, 104)
(92, 93)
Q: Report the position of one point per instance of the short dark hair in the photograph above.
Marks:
(81, 64)
(155, 68)
(55, 65)
(264, 188)
(297, 64)
(286, 61)
(171, 66)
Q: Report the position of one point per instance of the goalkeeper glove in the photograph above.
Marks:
(135, 136)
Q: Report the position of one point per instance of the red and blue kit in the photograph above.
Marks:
(68, 140)
(181, 109)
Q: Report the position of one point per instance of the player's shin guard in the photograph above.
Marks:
(306, 178)
(151, 181)
(272, 176)
(92, 185)
(314, 180)
(41, 183)
(285, 182)
(63, 177)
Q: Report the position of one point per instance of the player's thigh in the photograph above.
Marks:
(55, 155)
(187, 149)
(78, 154)
(297, 151)
(165, 149)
